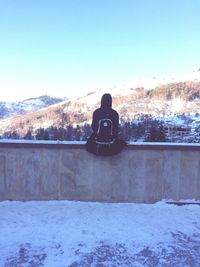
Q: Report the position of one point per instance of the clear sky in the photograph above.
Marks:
(67, 47)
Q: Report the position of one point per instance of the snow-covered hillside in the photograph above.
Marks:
(166, 100)
(9, 109)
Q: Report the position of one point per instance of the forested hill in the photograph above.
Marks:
(163, 100)
(187, 91)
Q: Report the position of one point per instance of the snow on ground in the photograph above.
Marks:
(68, 233)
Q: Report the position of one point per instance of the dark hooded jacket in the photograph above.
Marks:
(106, 111)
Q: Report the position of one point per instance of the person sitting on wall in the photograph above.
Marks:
(104, 140)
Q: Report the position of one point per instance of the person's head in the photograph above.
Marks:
(106, 101)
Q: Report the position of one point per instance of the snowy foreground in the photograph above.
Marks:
(67, 233)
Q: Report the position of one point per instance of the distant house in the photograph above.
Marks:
(172, 130)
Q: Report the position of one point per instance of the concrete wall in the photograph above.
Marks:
(141, 173)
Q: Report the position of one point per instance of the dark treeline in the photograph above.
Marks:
(148, 130)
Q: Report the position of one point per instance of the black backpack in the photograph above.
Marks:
(104, 134)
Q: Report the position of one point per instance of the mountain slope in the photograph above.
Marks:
(9, 109)
(168, 99)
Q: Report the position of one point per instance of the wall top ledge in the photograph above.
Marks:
(11, 143)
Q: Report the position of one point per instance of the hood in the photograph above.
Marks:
(106, 101)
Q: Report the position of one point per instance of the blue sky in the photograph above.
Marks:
(67, 47)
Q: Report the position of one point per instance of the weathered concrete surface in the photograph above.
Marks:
(139, 174)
